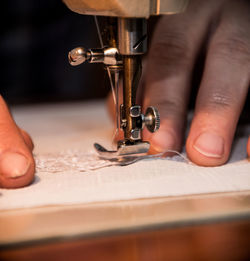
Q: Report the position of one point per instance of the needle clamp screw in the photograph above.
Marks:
(152, 119)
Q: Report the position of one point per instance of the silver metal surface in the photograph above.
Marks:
(135, 134)
(78, 55)
(152, 119)
(132, 36)
(111, 56)
(123, 150)
(126, 8)
(135, 111)
(107, 56)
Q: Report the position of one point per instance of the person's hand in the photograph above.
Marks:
(220, 29)
(17, 166)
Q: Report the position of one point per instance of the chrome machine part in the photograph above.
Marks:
(132, 43)
(78, 55)
(107, 56)
(132, 34)
(152, 119)
(123, 150)
(127, 8)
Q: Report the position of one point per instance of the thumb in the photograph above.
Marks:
(17, 165)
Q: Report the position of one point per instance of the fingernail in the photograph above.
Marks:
(13, 165)
(210, 145)
(162, 141)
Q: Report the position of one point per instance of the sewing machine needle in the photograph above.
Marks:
(117, 100)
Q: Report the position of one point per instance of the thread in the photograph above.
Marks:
(79, 161)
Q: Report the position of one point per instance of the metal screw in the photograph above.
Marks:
(152, 119)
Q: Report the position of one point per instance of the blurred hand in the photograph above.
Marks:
(221, 29)
(17, 165)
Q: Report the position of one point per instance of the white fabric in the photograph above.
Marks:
(75, 127)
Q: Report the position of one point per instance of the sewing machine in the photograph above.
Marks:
(108, 227)
(123, 37)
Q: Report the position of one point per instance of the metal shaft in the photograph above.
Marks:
(131, 77)
(131, 45)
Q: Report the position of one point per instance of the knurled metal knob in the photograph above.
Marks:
(152, 119)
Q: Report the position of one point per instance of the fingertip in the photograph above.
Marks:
(210, 137)
(207, 148)
(162, 141)
(16, 170)
(17, 166)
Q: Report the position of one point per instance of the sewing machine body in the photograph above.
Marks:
(127, 8)
(123, 42)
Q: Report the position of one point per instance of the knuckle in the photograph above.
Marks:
(232, 48)
(220, 101)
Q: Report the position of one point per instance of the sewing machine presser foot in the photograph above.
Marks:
(123, 151)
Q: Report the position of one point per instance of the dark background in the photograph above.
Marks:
(36, 36)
